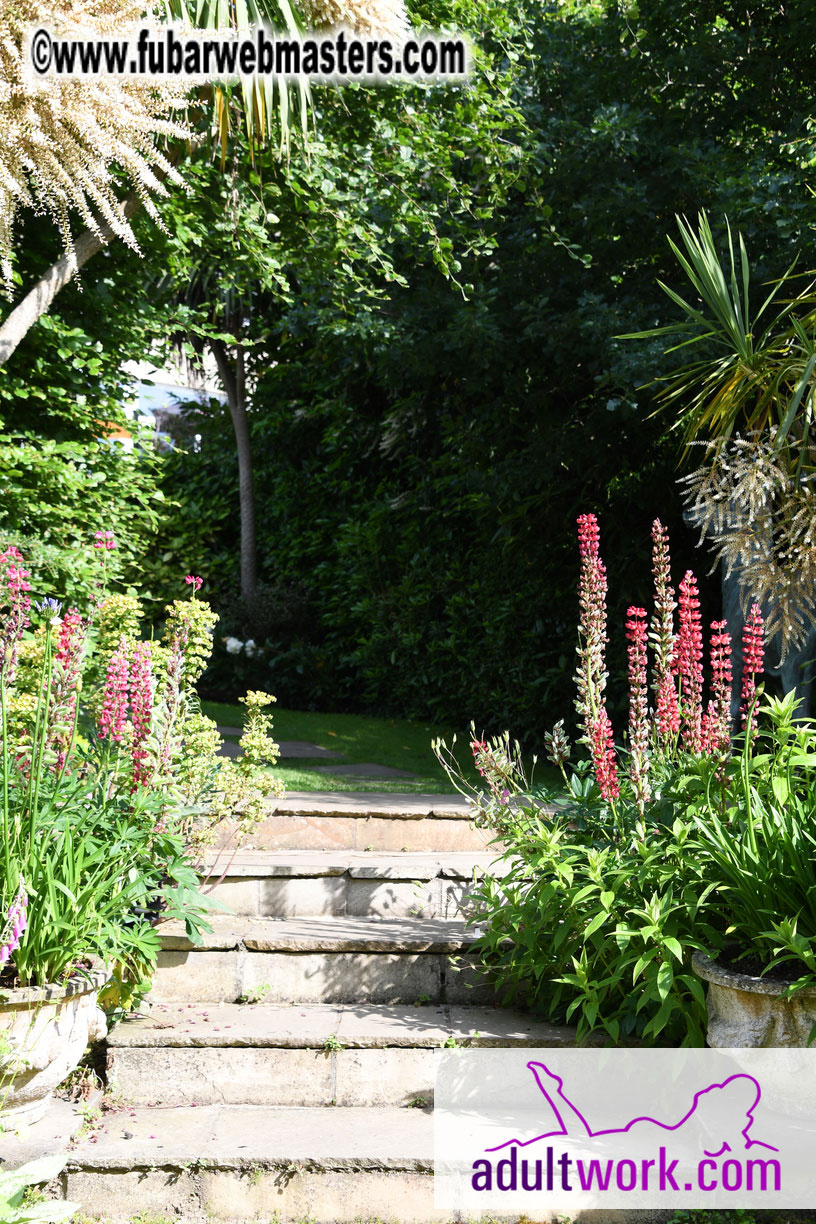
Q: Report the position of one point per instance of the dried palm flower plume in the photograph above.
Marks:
(374, 18)
(60, 137)
(759, 515)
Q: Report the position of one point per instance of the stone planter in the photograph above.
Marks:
(47, 1029)
(745, 1011)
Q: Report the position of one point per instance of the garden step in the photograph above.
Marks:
(319, 960)
(302, 1056)
(353, 883)
(354, 820)
(243, 1163)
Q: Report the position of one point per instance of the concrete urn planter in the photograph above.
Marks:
(44, 1031)
(745, 1011)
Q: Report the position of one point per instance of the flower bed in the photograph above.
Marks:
(694, 835)
(111, 785)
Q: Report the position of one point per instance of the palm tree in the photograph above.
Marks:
(748, 397)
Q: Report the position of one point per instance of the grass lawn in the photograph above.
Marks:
(382, 741)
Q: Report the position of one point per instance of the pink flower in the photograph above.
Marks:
(718, 716)
(14, 588)
(141, 703)
(115, 698)
(67, 673)
(662, 623)
(753, 658)
(104, 539)
(638, 704)
(591, 674)
(602, 745)
(667, 713)
(194, 582)
(689, 663)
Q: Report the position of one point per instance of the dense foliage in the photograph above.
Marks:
(437, 386)
(418, 460)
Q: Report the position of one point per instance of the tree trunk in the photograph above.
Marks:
(37, 301)
(233, 380)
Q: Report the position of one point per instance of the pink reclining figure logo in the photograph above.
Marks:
(718, 1110)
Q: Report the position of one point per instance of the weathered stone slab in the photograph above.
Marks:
(345, 977)
(284, 898)
(388, 899)
(186, 977)
(496, 1026)
(174, 1076)
(362, 803)
(372, 1077)
(224, 1075)
(388, 832)
(337, 1197)
(345, 934)
(354, 935)
(243, 1137)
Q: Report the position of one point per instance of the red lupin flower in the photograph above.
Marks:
(689, 664)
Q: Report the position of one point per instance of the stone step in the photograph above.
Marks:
(245, 1163)
(320, 960)
(346, 883)
(230, 1054)
(354, 820)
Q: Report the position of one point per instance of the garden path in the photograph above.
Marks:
(286, 1067)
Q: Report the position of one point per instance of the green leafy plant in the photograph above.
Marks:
(755, 840)
(14, 1187)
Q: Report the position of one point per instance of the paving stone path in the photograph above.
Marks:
(285, 1069)
(367, 771)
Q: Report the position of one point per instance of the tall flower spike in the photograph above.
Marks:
(71, 633)
(141, 704)
(662, 623)
(14, 588)
(590, 676)
(718, 720)
(689, 662)
(638, 705)
(602, 745)
(112, 720)
(753, 658)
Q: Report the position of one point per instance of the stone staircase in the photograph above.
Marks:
(285, 1070)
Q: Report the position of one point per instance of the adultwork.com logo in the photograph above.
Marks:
(576, 1129)
(721, 1116)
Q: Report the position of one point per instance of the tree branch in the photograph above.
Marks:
(37, 301)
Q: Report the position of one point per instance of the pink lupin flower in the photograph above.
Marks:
(718, 715)
(14, 588)
(638, 705)
(115, 695)
(753, 659)
(71, 636)
(591, 674)
(194, 582)
(689, 663)
(104, 540)
(602, 746)
(141, 703)
(662, 622)
(667, 712)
